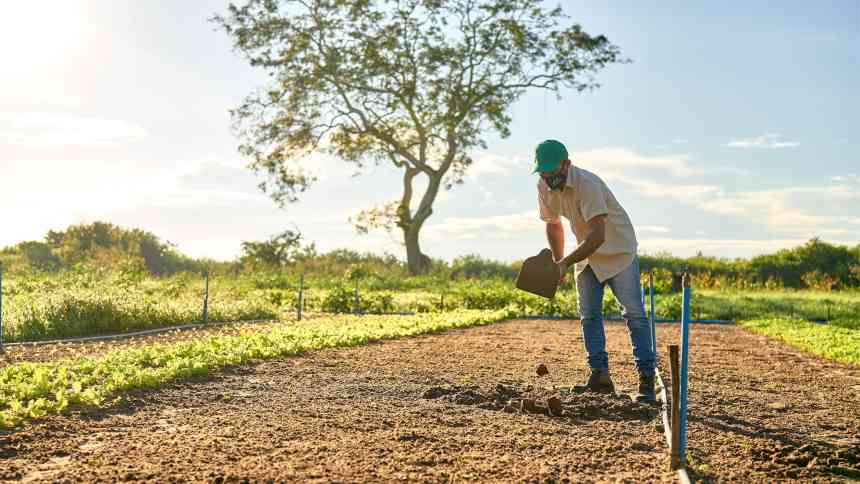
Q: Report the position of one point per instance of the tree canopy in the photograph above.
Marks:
(417, 84)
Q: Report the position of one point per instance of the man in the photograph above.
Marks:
(606, 254)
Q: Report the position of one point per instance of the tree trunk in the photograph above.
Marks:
(417, 262)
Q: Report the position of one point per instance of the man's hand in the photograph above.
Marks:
(562, 271)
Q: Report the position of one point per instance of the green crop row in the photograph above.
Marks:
(49, 306)
(834, 342)
(32, 390)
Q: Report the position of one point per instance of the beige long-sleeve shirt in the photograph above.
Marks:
(584, 197)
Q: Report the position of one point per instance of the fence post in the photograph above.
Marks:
(355, 308)
(1, 308)
(685, 351)
(675, 461)
(206, 296)
(301, 300)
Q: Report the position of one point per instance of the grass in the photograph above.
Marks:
(32, 390)
(805, 304)
(89, 302)
(829, 341)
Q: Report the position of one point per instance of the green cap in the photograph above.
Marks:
(548, 155)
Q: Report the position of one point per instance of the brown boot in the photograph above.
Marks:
(598, 382)
(646, 392)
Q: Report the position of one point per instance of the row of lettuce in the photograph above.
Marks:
(90, 303)
(32, 390)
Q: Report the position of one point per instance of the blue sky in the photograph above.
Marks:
(733, 131)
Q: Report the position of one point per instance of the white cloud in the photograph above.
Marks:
(165, 196)
(769, 140)
(488, 163)
(624, 165)
(850, 178)
(489, 227)
(61, 130)
(785, 211)
(798, 211)
(617, 163)
(654, 229)
(682, 192)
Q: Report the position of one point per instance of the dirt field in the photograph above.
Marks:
(446, 407)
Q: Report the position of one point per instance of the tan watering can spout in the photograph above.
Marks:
(539, 275)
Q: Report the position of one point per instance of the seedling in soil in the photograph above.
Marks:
(554, 405)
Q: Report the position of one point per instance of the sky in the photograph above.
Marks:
(733, 132)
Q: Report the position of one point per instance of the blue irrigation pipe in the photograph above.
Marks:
(685, 350)
(651, 313)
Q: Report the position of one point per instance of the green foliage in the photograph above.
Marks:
(416, 84)
(473, 266)
(279, 251)
(814, 265)
(833, 342)
(31, 390)
(338, 300)
(807, 304)
(97, 245)
(847, 322)
(89, 302)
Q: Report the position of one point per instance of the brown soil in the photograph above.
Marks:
(447, 407)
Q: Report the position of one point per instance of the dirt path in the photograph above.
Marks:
(433, 408)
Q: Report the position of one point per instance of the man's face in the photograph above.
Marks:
(557, 178)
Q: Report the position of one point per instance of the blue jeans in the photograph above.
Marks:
(627, 290)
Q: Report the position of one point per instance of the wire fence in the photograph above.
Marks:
(359, 301)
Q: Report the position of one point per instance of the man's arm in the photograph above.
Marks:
(555, 237)
(594, 239)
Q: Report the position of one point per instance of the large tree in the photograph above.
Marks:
(415, 83)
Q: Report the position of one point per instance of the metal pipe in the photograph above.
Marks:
(685, 351)
(653, 327)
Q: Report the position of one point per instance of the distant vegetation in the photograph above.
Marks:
(814, 265)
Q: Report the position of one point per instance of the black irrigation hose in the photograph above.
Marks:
(149, 332)
(146, 332)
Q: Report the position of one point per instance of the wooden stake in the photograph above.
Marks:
(206, 297)
(301, 301)
(1, 308)
(674, 361)
(356, 308)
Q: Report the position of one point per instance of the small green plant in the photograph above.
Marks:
(32, 390)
